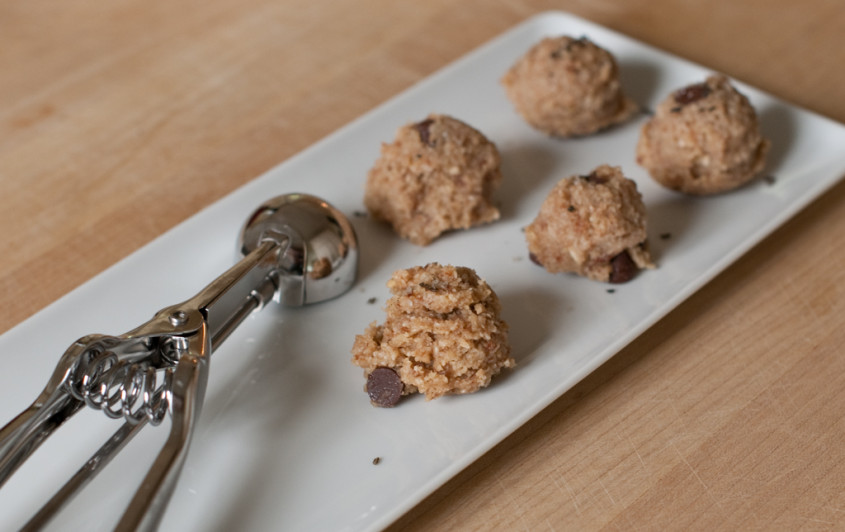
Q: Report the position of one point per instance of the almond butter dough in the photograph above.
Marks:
(442, 334)
(592, 225)
(437, 175)
(568, 87)
(703, 139)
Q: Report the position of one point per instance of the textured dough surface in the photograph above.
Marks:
(437, 175)
(587, 223)
(442, 334)
(703, 139)
(568, 87)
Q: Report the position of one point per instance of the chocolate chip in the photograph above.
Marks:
(692, 93)
(580, 41)
(533, 258)
(384, 387)
(430, 287)
(623, 268)
(593, 177)
(423, 128)
(675, 109)
(571, 208)
(371, 301)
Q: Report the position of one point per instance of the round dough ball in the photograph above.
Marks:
(592, 225)
(442, 335)
(703, 139)
(568, 87)
(437, 175)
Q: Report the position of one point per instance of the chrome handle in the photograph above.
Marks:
(297, 249)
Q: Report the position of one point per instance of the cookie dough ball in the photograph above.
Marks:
(568, 87)
(437, 175)
(703, 139)
(442, 335)
(593, 225)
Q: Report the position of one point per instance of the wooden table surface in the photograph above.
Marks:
(120, 119)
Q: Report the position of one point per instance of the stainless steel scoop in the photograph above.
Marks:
(297, 249)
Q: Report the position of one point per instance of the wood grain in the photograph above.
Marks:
(120, 119)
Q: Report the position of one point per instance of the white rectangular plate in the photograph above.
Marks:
(287, 436)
